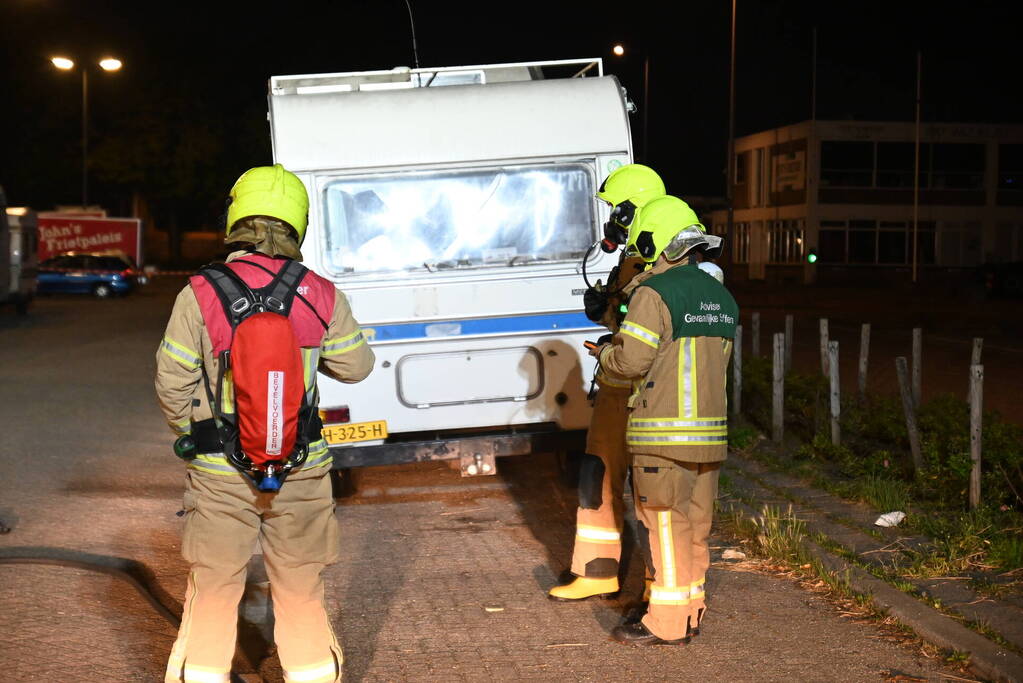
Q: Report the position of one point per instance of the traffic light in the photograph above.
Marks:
(811, 256)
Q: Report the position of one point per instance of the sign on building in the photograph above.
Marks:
(59, 234)
(788, 171)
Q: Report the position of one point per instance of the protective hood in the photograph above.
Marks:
(266, 235)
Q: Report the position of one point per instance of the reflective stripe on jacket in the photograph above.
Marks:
(680, 411)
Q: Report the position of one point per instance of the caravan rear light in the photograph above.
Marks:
(333, 416)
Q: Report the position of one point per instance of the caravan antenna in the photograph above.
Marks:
(412, 24)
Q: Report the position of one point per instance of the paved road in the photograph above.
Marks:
(443, 578)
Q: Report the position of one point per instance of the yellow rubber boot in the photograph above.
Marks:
(582, 587)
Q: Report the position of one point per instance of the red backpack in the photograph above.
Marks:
(269, 433)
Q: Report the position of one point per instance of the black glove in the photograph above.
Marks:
(605, 339)
(594, 303)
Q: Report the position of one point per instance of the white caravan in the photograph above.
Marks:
(454, 206)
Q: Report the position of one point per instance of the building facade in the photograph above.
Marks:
(845, 190)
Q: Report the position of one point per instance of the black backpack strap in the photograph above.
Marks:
(297, 293)
(235, 295)
(280, 293)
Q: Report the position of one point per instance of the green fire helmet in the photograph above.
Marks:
(270, 191)
(633, 182)
(667, 225)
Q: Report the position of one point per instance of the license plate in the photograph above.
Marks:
(356, 431)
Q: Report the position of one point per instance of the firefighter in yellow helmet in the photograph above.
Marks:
(676, 339)
(225, 514)
(598, 547)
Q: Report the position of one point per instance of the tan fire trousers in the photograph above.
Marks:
(675, 508)
(298, 533)
(598, 535)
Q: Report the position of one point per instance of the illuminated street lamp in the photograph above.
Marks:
(619, 51)
(108, 64)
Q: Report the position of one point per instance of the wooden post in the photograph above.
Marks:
(737, 372)
(976, 418)
(978, 346)
(824, 346)
(756, 335)
(836, 404)
(778, 412)
(864, 356)
(910, 410)
(788, 343)
(917, 353)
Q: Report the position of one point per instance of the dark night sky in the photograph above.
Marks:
(201, 69)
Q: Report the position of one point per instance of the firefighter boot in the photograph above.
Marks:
(581, 587)
(638, 634)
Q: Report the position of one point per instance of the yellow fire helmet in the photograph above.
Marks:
(627, 189)
(270, 191)
(667, 225)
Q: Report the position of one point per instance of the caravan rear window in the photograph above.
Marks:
(454, 220)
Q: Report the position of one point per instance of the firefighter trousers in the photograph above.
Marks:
(296, 528)
(674, 508)
(598, 535)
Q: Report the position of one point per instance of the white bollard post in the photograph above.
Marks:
(737, 371)
(778, 402)
(917, 360)
(976, 435)
(836, 402)
(756, 335)
(910, 411)
(824, 346)
(864, 357)
(788, 343)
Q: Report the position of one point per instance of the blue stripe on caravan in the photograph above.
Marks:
(460, 328)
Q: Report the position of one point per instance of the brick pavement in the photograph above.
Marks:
(86, 465)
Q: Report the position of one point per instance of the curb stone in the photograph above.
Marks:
(986, 658)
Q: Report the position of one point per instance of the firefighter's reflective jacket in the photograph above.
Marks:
(625, 278)
(676, 338)
(187, 348)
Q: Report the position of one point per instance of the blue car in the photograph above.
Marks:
(101, 276)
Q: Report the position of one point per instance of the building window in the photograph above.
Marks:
(740, 243)
(1010, 167)
(890, 165)
(863, 242)
(785, 241)
(954, 167)
(895, 164)
(847, 164)
(832, 246)
(892, 243)
(1008, 243)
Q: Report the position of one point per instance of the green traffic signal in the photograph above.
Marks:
(811, 256)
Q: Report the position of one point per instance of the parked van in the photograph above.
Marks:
(18, 261)
(455, 208)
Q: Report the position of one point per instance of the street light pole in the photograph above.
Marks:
(619, 50)
(85, 137)
(65, 64)
(646, 105)
(730, 169)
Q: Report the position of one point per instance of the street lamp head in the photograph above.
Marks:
(62, 63)
(110, 64)
(618, 49)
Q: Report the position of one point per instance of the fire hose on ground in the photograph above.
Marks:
(135, 573)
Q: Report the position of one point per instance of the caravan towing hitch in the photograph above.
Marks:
(476, 464)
